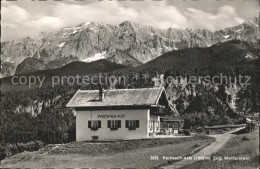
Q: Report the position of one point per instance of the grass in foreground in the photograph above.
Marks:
(130, 154)
(242, 145)
(110, 148)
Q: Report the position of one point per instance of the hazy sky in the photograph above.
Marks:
(25, 17)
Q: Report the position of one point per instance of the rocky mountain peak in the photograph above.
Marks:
(138, 43)
(254, 22)
(127, 24)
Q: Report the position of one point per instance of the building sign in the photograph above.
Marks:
(111, 116)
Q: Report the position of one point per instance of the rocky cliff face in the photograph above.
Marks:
(212, 99)
(30, 64)
(128, 43)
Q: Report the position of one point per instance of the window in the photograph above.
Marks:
(151, 125)
(94, 124)
(114, 124)
(132, 124)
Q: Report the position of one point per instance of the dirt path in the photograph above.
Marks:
(220, 141)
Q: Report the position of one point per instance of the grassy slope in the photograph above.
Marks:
(229, 54)
(242, 145)
(124, 155)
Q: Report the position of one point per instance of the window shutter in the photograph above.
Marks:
(127, 123)
(119, 123)
(109, 124)
(99, 124)
(137, 123)
(89, 124)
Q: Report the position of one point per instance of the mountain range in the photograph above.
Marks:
(230, 58)
(128, 44)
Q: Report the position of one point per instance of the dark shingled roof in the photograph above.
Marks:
(116, 97)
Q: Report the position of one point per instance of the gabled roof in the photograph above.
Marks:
(116, 97)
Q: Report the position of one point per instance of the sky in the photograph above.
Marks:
(24, 18)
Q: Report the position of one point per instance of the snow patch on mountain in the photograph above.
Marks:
(76, 28)
(226, 36)
(62, 44)
(8, 60)
(93, 29)
(96, 57)
(87, 23)
(75, 31)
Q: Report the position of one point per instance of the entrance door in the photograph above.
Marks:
(170, 128)
(154, 127)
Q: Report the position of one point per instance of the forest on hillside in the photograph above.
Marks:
(41, 113)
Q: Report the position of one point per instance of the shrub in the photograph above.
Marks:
(245, 138)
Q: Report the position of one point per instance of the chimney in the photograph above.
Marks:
(101, 94)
